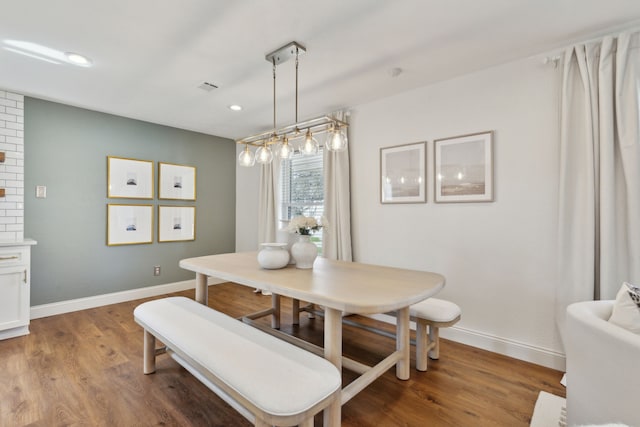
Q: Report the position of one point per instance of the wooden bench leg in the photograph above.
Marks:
(260, 423)
(434, 338)
(149, 353)
(421, 345)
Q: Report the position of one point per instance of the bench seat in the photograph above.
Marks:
(275, 381)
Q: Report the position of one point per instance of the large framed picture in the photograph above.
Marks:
(463, 168)
(129, 224)
(176, 223)
(176, 182)
(402, 173)
(129, 178)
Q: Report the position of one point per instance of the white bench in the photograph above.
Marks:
(434, 313)
(267, 380)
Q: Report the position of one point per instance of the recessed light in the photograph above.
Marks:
(78, 59)
(235, 107)
(45, 53)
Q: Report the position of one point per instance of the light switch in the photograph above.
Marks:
(41, 191)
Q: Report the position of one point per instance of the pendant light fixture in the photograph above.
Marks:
(246, 157)
(285, 151)
(309, 145)
(335, 129)
(336, 139)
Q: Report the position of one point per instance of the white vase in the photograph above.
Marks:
(304, 252)
(273, 256)
(285, 236)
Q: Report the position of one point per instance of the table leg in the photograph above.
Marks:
(403, 344)
(275, 317)
(295, 311)
(202, 290)
(333, 353)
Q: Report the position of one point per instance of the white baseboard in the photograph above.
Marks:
(518, 350)
(15, 332)
(69, 306)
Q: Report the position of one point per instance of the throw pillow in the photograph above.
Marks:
(626, 309)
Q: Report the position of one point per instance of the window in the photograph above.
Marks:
(302, 189)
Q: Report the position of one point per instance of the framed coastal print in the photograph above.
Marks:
(129, 224)
(176, 223)
(463, 168)
(402, 173)
(176, 182)
(129, 178)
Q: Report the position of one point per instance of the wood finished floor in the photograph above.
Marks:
(85, 369)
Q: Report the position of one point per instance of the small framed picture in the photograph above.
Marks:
(176, 182)
(402, 173)
(129, 178)
(463, 168)
(129, 224)
(176, 223)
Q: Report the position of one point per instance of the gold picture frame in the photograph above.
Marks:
(176, 223)
(129, 224)
(176, 182)
(129, 178)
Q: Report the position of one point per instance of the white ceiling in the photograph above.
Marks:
(150, 55)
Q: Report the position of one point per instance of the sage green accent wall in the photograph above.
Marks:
(66, 149)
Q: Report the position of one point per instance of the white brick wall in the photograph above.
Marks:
(12, 170)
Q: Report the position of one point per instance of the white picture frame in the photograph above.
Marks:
(402, 173)
(176, 223)
(129, 178)
(463, 168)
(176, 182)
(129, 224)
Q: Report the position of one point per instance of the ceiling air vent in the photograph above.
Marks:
(207, 86)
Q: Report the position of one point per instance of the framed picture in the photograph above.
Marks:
(129, 224)
(176, 223)
(176, 182)
(402, 173)
(129, 178)
(463, 168)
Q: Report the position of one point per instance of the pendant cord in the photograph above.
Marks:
(296, 85)
(274, 95)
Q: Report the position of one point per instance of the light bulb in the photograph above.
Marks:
(264, 155)
(336, 140)
(246, 158)
(285, 150)
(309, 144)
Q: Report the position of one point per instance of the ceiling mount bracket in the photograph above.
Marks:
(285, 53)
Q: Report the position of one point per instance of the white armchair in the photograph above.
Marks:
(602, 367)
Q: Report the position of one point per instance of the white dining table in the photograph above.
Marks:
(339, 287)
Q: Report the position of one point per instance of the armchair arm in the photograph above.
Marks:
(602, 363)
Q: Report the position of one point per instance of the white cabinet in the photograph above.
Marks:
(15, 288)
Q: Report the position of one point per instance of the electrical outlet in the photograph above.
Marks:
(156, 270)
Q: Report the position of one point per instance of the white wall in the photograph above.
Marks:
(247, 185)
(498, 258)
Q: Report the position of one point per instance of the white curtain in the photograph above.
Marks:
(599, 215)
(268, 201)
(336, 237)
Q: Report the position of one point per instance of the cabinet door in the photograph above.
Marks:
(14, 297)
